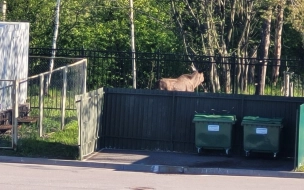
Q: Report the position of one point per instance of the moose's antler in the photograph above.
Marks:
(193, 67)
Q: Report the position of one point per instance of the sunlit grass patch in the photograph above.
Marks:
(300, 169)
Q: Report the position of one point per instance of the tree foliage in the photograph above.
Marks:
(241, 28)
(100, 24)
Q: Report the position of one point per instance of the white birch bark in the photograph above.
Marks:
(55, 35)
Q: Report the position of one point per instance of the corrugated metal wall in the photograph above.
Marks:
(14, 47)
(89, 108)
(160, 120)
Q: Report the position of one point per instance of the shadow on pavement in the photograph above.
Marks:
(209, 159)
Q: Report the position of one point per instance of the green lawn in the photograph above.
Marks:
(300, 169)
(55, 143)
(60, 144)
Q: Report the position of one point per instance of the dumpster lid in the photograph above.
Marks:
(261, 120)
(214, 118)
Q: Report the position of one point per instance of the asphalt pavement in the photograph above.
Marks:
(176, 163)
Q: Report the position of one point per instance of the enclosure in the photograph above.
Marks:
(160, 120)
(50, 104)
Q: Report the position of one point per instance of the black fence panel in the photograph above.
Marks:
(231, 75)
(160, 120)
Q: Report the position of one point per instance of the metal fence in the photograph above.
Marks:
(50, 104)
(55, 103)
(232, 75)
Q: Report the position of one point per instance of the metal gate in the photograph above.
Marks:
(89, 111)
(300, 136)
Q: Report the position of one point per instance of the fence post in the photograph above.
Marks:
(157, 65)
(63, 92)
(80, 130)
(173, 112)
(84, 78)
(79, 106)
(41, 105)
(233, 68)
(288, 86)
(15, 114)
(82, 52)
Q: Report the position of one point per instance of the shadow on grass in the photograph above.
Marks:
(43, 149)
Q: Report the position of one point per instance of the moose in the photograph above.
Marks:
(186, 82)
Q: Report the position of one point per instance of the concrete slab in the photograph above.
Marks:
(209, 160)
(175, 163)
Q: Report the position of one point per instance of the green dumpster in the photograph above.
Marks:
(213, 131)
(261, 134)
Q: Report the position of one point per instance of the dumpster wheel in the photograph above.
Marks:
(199, 151)
(228, 152)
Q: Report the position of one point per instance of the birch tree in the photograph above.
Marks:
(197, 27)
(54, 43)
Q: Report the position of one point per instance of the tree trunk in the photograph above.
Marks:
(252, 63)
(230, 25)
(264, 47)
(242, 47)
(56, 28)
(226, 75)
(278, 43)
(214, 77)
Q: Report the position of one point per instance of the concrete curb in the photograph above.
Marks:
(161, 169)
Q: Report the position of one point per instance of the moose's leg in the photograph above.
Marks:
(163, 84)
(166, 84)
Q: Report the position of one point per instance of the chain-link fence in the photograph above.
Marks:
(46, 99)
(51, 94)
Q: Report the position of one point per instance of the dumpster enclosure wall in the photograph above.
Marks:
(161, 120)
(14, 46)
(300, 138)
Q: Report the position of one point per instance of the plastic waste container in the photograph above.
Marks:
(261, 134)
(213, 131)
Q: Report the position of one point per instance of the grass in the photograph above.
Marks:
(67, 136)
(55, 143)
(272, 90)
(59, 144)
(52, 108)
(300, 169)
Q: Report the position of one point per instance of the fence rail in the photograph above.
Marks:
(232, 75)
(66, 82)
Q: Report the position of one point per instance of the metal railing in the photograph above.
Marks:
(232, 75)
